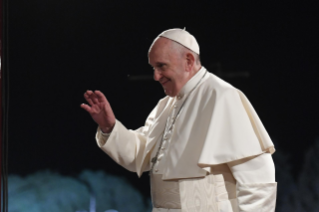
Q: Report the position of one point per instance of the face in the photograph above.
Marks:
(169, 66)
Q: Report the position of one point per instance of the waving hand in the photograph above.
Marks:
(100, 110)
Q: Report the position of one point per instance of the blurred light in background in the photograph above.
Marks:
(100, 192)
(51, 192)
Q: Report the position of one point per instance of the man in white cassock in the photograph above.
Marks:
(204, 145)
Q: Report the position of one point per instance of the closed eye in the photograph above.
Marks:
(160, 65)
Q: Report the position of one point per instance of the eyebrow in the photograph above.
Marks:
(160, 64)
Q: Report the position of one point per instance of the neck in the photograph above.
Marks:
(195, 69)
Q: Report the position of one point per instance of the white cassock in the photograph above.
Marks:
(215, 154)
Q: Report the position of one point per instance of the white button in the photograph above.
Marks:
(156, 170)
(166, 136)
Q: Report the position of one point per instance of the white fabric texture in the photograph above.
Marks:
(165, 210)
(222, 197)
(258, 169)
(182, 37)
(259, 197)
(256, 186)
(216, 126)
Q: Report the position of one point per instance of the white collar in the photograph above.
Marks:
(191, 83)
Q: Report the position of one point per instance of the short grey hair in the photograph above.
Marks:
(183, 51)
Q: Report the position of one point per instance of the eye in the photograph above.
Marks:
(160, 65)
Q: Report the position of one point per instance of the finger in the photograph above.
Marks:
(100, 96)
(89, 92)
(88, 99)
(94, 98)
(86, 107)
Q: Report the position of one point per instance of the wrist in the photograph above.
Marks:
(107, 129)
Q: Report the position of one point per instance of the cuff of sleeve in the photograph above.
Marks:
(257, 197)
(105, 134)
(102, 137)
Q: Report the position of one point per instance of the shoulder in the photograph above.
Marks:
(213, 85)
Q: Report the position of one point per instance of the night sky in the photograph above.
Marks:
(60, 48)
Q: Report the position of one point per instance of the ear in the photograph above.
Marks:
(190, 61)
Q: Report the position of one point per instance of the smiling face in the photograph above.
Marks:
(170, 65)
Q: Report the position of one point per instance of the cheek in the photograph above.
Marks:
(167, 76)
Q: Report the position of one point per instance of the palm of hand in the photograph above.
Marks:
(100, 113)
(100, 110)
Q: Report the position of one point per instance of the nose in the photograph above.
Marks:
(157, 76)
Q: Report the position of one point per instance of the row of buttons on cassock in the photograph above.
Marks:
(167, 134)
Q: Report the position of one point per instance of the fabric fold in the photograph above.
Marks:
(217, 129)
(257, 197)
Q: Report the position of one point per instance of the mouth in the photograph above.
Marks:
(164, 82)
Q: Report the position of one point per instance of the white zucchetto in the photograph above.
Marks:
(182, 37)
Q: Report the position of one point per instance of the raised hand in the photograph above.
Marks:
(100, 110)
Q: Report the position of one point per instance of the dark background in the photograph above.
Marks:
(58, 49)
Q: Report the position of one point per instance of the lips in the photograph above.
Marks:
(164, 82)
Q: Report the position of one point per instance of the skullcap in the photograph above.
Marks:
(182, 37)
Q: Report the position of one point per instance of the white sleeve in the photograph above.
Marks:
(125, 147)
(103, 137)
(256, 185)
